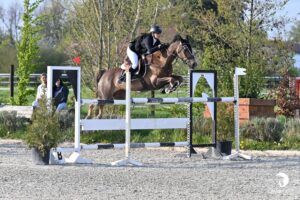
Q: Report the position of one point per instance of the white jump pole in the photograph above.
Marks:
(237, 154)
(127, 160)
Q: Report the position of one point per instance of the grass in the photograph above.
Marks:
(5, 96)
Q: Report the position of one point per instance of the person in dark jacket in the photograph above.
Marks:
(60, 95)
(144, 44)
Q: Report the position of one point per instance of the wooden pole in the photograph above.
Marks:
(11, 80)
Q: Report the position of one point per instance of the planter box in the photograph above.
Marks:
(250, 108)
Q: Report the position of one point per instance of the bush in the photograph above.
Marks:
(225, 122)
(3, 131)
(273, 130)
(44, 133)
(66, 119)
(10, 123)
(202, 130)
(261, 129)
(291, 133)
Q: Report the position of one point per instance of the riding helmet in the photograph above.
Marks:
(155, 29)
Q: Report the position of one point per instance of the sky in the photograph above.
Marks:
(291, 10)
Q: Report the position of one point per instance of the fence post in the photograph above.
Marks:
(11, 80)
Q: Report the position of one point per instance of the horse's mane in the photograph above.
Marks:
(176, 38)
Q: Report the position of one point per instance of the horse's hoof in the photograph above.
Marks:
(99, 117)
(88, 117)
(168, 90)
(163, 91)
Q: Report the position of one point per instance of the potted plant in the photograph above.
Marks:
(225, 129)
(44, 132)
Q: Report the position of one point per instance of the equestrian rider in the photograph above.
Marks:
(141, 46)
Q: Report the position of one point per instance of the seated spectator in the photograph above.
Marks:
(41, 91)
(60, 95)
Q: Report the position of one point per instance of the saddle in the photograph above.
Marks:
(141, 70)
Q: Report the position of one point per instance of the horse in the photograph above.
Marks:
(158, 74)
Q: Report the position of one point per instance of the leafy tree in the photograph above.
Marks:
(294, 34)
(101, 30)
(12, 20)
(54, 23)
(27, 50)
(9, 34)
(286, 99)
(234, 33)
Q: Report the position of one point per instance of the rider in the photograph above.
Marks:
(141, 46)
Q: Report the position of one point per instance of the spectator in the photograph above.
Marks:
(41, 91)
(60, 95)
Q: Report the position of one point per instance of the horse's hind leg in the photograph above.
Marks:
(100, 109)
(90, 111)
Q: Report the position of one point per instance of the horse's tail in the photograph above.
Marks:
(98, 77)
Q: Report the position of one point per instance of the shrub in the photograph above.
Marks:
(261, 129)
(291, 133)
(273, 130)
(44, 133)
(253, 129)
(66, 119)
(225, 122)
(3, 131)
(202, 129)
(10, 123)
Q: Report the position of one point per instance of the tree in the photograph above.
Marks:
(285, 94)
(11, 20)
(9, 34)
(27, 50)
(101, 30)
(54, 22)
(294, 34)
(234, 33)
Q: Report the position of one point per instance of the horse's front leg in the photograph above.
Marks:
(162, 83)
(177, 80)
(169, 84)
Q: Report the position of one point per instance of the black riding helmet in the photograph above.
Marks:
(155, 29)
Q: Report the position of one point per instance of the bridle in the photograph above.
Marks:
(183, 47)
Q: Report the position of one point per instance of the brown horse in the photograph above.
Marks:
(158, 75)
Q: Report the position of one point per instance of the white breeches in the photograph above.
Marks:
(133, 58)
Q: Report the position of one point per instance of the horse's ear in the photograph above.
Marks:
(177, 37)
(187, 37)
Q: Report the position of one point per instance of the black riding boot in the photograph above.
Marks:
(122, 77)
(134, 74)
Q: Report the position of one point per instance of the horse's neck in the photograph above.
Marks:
(169, 57)
(169, 60)
(163, 60)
